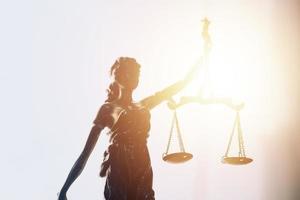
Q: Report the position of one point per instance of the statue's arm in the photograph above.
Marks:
(88, 148)
(82, 159)
(165, 94)
(168, 92)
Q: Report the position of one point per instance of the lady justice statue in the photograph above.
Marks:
(126, 164)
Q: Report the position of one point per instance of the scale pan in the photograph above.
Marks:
(179, 157)
(236, 160)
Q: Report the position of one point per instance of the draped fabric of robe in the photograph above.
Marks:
(126, 163)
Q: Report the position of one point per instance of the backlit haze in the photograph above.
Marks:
(254, 59)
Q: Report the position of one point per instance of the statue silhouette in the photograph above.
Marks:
(126, 163)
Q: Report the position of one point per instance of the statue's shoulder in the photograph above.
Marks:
(106, 108)
(104, 115)
(140, 105)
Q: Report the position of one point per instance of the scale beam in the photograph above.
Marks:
(200, 100)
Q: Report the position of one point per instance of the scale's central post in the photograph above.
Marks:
(208, 99)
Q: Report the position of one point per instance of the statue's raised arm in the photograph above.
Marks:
(168, 92)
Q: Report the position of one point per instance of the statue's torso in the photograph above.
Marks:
(130, 123)
(128, 136)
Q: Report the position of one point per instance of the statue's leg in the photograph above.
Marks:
(144, 189)
(140, 186)
(116, 186)
(143, 177)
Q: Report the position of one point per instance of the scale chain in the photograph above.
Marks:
(230, 139)
(241, 141)
(170, 135)
(181, 146)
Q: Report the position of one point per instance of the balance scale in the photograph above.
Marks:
(182, 156)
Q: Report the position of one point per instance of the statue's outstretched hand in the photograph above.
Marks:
(62, 196)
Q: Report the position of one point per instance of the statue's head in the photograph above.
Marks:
(125, 72)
